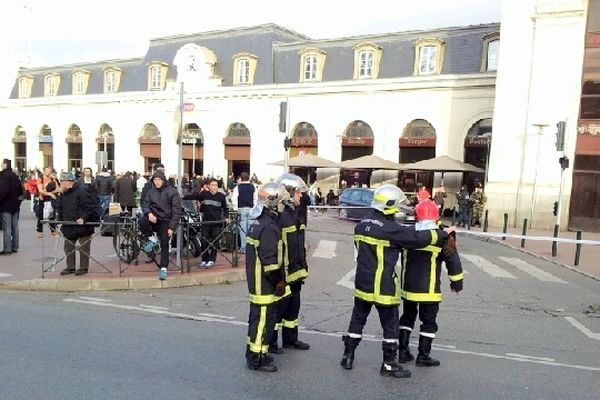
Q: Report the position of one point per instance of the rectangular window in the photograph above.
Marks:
(310, 68)
(50, 86)
(492, 55)
(427, 58)
(110, 81)
(366, 64)
(155, 77)
(78, 84)
(590, 91)
(23, 88)
(243, 71)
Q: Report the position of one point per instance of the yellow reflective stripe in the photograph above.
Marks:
(253, 242)
(284, 234)
(257, 345)
(290, 324)
(255, 348)
(379, 299)
(431, 249)
(457, 277)
(371, 240)
(300, 274)
(265, 299)
(280, 252)
(302, 226)
(278, 326)
(379, 271)
(433, 270)
(437, 297)
(404, 258)
(289, 229)
(271, 267)
(257, 275)
(434, 236)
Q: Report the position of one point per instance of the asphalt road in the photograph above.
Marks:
(522, 329)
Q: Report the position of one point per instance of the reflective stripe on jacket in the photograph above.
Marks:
(294, 252)
(379, 241)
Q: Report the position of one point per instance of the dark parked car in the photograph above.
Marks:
(361, 198)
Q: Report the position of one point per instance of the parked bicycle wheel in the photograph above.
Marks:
(126, 246)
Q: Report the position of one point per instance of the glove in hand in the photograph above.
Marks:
(456, 286)
(280, 288)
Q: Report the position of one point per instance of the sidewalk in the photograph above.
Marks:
(23, 270)
(565, 256)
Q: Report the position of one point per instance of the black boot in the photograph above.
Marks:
(350, 345)
(423, 359)
(404, 354)
(390, 367)
(260, 362)
(273, 347)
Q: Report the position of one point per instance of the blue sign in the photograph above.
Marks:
(45, 139)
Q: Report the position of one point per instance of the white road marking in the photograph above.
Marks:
(93, 298)
(153, 307)
(583, 329)
(347, 280)
(332, 334)
(216, 316)
(531, 270)
(488, 267)
(325, 249)
(4, 275)
(530, 357)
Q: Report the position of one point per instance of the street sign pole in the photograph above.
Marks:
(179, 168)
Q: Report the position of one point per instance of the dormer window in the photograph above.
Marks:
(313, 62)
(429, 56)
(112, 78)
(25, 83)
(80, 82)
(244, 68)
(51, 83)
(157, 74)
(491, 45)
(367, 57)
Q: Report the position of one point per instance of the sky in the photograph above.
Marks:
(56, 32)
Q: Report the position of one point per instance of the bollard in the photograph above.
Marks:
(554, 242)
(577, 249)
(469, 218)
(485, 221)
(505, 227)
(524, 232)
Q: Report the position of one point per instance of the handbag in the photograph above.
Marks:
(48, 212)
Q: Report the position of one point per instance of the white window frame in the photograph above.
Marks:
(51, 85)
(79, 83)
(366, 61)
(243, 71)
(310, 67)
(110, 81)
(23, 92)
(427, 60)
(492, 66)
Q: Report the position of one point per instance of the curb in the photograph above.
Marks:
(518, 248)
(175, 281)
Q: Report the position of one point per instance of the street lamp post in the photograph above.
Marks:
(537, 157)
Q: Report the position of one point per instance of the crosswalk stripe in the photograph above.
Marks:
(487, 266)
(325, 249)
(531, 270)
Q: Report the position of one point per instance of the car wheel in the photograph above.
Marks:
(343, 213)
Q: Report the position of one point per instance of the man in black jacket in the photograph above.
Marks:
(75, 207)
(213, 206)
(11, 192)
(162, 211)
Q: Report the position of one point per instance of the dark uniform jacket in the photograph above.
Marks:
(10, 192)
(70, 206)
(379, 241)
(294, 251)
(264, 264)
(421, 271)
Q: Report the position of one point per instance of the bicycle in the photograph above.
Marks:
(129, 242)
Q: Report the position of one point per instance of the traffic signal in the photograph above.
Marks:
(555, 208)
(564, 162)
(283, 116)
(287, 143)
(560, 136)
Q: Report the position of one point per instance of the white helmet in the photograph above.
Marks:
(271, 195)
(387, 199)
(292, 181)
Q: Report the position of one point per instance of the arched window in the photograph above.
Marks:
(357, 140)
(304, 139)
(74, 131)
(237, 129)
(150, 131)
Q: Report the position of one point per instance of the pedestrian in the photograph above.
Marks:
(31, 186)
(439, 198)
(295, 265)
(330, 198)
(243, 200)
(125, 192)
(213, 205)
(11, 194)
(48, 187)
(379, 240)
(161, 213)
(148, 185)
(265, 276)
(74, 206)
(464, 204)
(478, 200)
(421, 292)
(104, 186)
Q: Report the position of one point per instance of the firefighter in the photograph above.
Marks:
(379, 240)
(421, 270)
(296, 268)
(265, 275)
